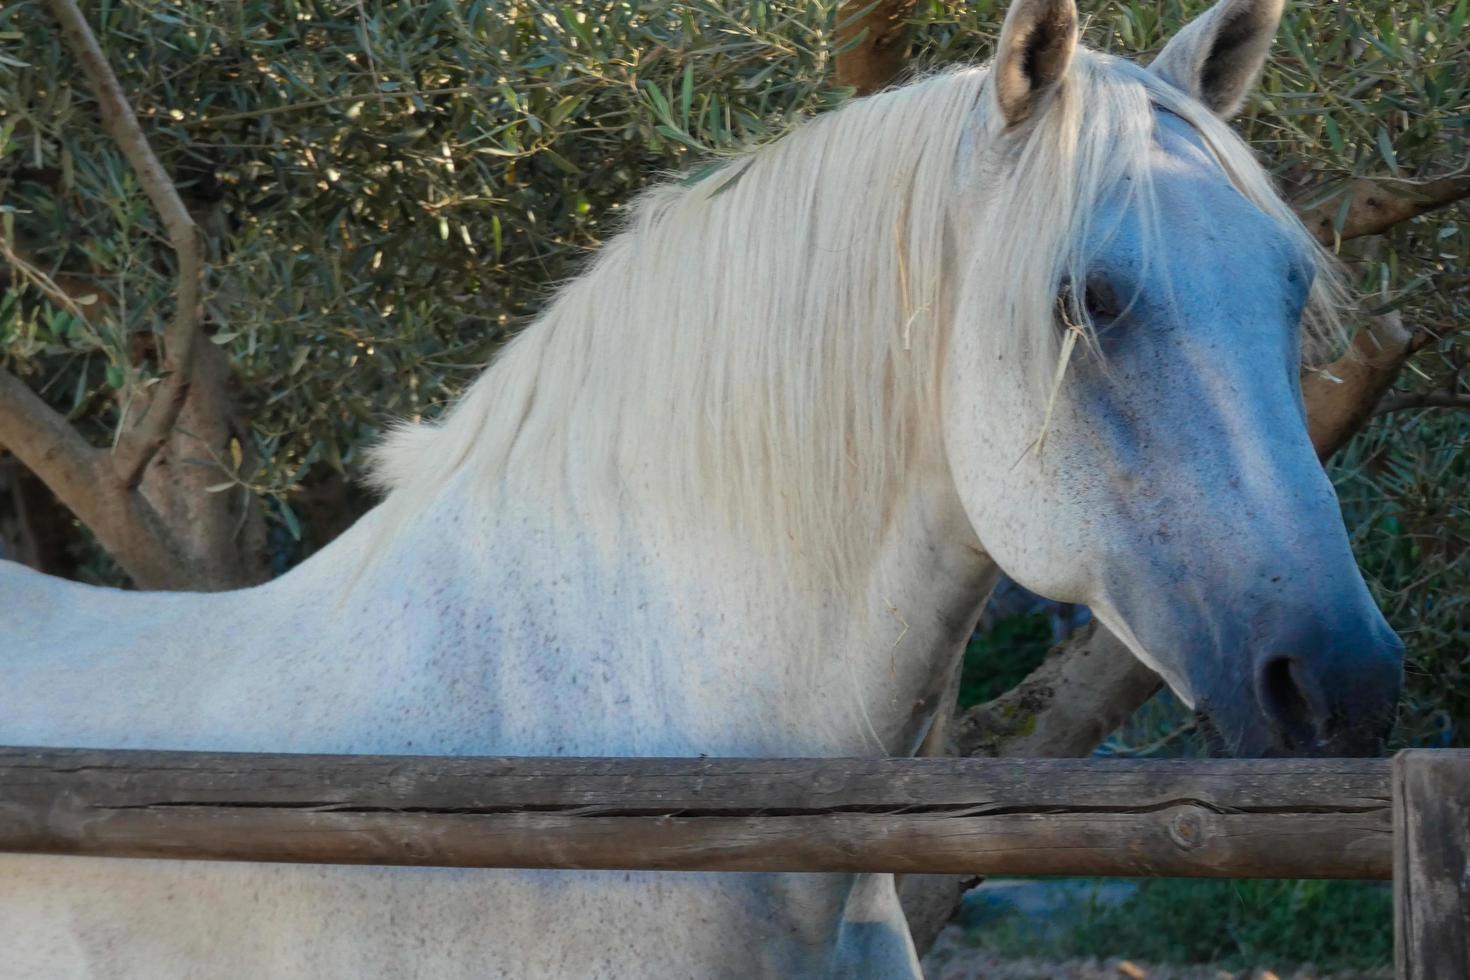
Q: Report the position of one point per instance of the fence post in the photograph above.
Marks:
(1431, 866)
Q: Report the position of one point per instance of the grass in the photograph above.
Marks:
(1280, 925)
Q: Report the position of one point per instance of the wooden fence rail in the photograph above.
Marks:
(1218, 818)
(1289, 818)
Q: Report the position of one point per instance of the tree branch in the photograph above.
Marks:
(1087, 686)
(1340, 398)
(1430, 399)
(137, 445)
(48, 445)
(82, 479)
(17, 265)
(1376, 204)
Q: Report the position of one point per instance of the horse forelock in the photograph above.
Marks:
(764, 346)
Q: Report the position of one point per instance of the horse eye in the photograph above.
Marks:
(1100, 301)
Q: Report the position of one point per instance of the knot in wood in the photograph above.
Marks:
(1187, 828)
(402, 781)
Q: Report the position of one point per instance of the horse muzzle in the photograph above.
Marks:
(1314, 688)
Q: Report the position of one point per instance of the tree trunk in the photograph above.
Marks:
(872, 43)
(219, 537)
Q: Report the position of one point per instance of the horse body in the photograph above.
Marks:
(581, 649)
(461, 641)
(742, 491)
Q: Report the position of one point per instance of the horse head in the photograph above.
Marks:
(1154, 461)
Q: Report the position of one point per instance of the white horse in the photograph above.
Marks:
(742, 490)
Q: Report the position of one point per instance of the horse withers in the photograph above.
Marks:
(742, 490)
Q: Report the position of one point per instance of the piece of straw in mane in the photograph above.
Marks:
(766, 351)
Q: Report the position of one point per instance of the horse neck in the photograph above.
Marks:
(908, 630)
(702, 616)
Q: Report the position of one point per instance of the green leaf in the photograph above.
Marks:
(564, 110)
(733, 179)
(686, 95)
(288, 517)
(659, 103)
(575, 23)
(1401, 297)
(700, 172)
(1339, 220)
(1334, 134)
(561, 162)
(678, 136)
(1385, 150)
(855, 41)
(1322, 195)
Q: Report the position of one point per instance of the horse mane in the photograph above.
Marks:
(764, 346)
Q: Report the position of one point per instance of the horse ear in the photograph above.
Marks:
(1218, 55)
(1036, 45)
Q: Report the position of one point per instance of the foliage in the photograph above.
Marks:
(1334, 925)
(1405, 486)
(999, 658)
(390, 189)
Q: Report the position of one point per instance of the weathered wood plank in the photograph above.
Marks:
(1431, 875)
(1275, 818)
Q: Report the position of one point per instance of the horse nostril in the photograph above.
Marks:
(1286, 701)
